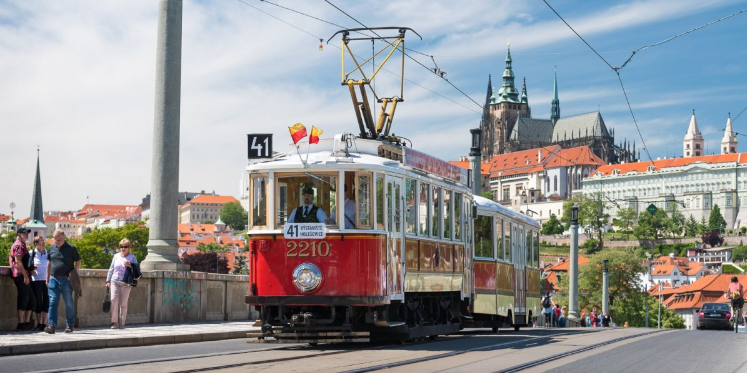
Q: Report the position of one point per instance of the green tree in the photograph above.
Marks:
(675, 222)
(552, 226)
(239, 265)
(234, 216)
(592, 214)
(739, 254)
(96, 248)
(6, 241)
(488, 195)
(211, 247)
(626, 220)
(691, 227)
(651, 226)
(702, 226)
(716, 220)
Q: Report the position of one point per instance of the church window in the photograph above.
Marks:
(697, 154)
(697, 146)
(555, 183)
(687, 146)
(728, 200)
(688, 154)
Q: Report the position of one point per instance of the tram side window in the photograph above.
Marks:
(363, 200)
(484, 237)
(436, 214)
(423, 209)
(259, 201)
(507, 240)
(447, 214)
(499, 233)
(411, 214)
(528, 248)
(536, 259)
(380, 202)
(458, 216)
(306, 198)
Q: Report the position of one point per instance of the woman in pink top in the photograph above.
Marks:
(736, 294)
(114, 280)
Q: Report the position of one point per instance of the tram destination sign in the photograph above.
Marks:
(308, 231)
(260, 145)
(429, 163)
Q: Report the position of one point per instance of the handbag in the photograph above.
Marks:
(106, 305)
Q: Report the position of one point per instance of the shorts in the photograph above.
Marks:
(25, 300)
(738, 303)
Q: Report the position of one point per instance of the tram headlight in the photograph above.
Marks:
(307, 277)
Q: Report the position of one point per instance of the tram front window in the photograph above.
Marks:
(306, 198)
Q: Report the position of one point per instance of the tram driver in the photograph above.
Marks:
(308, 212)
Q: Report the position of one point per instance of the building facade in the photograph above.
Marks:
(203, 208)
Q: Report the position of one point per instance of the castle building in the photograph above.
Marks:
(507, 125)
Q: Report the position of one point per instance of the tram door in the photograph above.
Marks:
(396, 238)
(520, 289)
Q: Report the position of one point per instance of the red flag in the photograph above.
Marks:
(315, 132)
(297, 131)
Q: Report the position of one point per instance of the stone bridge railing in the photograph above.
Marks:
(160, 297)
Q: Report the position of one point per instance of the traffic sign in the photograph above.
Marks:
(260, 145)
(652, 209)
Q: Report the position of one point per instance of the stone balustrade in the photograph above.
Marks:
(160, 297)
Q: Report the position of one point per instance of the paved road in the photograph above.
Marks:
(633, 350)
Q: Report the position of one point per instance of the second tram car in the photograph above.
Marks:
(397, 247)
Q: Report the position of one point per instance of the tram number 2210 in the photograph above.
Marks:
(307, 248)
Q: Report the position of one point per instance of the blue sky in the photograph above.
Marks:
(78, 81)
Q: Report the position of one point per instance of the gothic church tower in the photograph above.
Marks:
(693, 142)
(729, 142)
(505, 107)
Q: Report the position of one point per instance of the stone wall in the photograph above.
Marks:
(160, 297)
(651, 244)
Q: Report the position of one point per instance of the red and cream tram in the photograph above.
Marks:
(364, 238)
(408, 260)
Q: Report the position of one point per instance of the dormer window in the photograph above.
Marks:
(687, 146)
(697, 146)
(651, 168)
(616, 172)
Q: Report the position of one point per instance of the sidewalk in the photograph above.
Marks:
(30, 342)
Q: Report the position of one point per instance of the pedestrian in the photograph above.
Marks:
(583, 319)
(606, 320)
(39, 282)
(63, 258)
(121, 263)
(601, 318)
(556, 316)
(563, 317)
(21, 272)
(593, 317)
(547, 304)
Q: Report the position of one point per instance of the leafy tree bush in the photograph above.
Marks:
(743, 230)
(715, 220)
(590, 246)
(234, 216)
(552, 226)
(712, 238)
(97, 247)
(239, 265)
(211, 247)
(739, 253)
(206, 262)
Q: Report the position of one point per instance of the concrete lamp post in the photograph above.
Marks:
(605, 287)
(573, 275)
(475, 160)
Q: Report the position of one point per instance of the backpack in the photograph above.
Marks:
(735, 295)
(557, 312)
(546, 302)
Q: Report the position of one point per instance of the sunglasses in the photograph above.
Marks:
(124, 247)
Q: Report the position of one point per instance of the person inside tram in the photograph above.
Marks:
(349, 210)
(308, 212)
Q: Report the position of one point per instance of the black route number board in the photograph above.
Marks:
(260, 145)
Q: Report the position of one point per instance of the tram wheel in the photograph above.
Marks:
(495, 330)
(517, 327)
(433, 337)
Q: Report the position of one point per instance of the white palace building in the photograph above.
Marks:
(695, 182)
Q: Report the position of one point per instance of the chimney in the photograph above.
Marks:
(539, 156)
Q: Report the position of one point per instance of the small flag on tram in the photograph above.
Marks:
(297, 131)
(315, 132)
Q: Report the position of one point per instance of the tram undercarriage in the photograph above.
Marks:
(421, 315)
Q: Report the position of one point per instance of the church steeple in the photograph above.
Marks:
(36, 219)
(555, 108)
(508, 92)
(729, 141)
(693, 142)
(524, 99)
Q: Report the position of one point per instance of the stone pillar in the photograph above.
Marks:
(475, 160)
(605, 287)
(162, 243)
(573, 271)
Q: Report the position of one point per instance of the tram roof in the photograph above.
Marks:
(488, 204)
(329, 154)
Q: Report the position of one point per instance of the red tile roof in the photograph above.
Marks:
(528, 161)
(575, 156)
(113, 211)
(671, 162)
(212, 199)
(566, 265)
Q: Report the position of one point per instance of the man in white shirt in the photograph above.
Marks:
(308, 213)
(349, 210)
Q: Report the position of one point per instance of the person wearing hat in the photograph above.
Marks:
(308, 213)
(19, 264)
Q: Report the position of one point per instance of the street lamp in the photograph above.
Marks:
(646, 281)
(574, 214)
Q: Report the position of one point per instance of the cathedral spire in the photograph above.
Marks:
(508, 92)
(693, 142)
(729, 141)
(555, 107)
(524, 99)
(36, 219)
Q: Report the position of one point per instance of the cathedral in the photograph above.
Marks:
(507, 125)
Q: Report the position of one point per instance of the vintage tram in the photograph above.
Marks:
(363, 238)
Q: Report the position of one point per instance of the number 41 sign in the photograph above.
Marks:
(260, 145)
